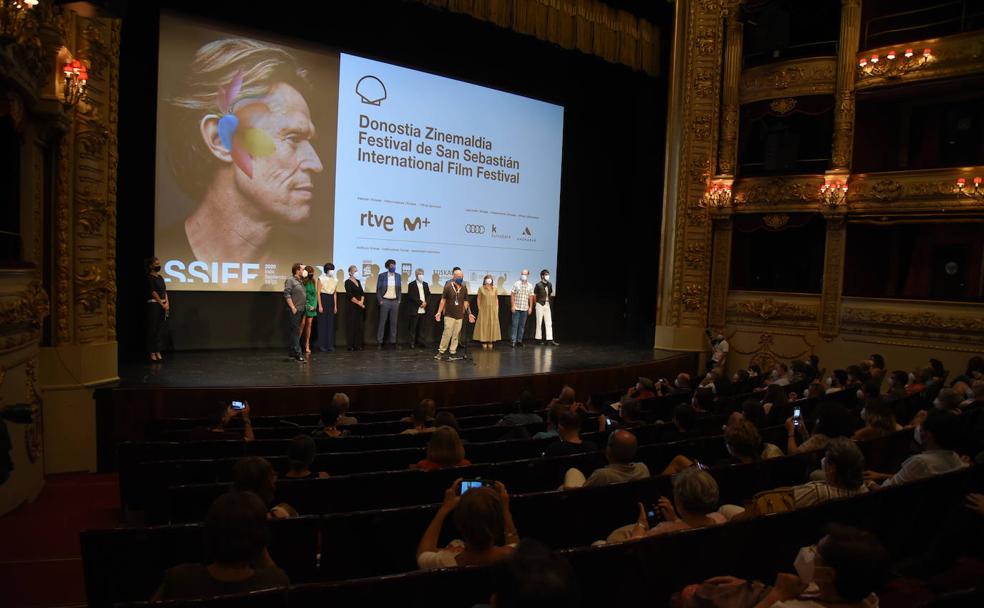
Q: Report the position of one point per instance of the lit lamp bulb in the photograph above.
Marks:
(863, 62)
(908, 53)
(891, 55)
(927, 53)
(874, 59)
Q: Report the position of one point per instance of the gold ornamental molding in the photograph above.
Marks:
(791, 193)
(911, 191)
(772, 311)
(795, 78)
(914, 324)
(764, 354)
(21, 316)
(589, 26)
(956, 55)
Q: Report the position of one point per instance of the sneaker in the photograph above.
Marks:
(454, 357)
(301, 359)
(554, 343)
(512, 344)
(438, 356)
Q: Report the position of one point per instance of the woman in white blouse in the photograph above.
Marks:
(327, 308)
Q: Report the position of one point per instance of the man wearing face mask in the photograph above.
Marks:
(521, 300)
(418, 292)
(296, 296)
(543, 293)
(454, 304)
(388, 296)
(938, 433)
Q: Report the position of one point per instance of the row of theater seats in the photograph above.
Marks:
(126, 565)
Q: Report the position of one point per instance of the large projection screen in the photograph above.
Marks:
(271, 153)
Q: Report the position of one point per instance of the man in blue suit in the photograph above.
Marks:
(388, 295)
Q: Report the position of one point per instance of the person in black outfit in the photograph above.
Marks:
(356, 317)
(418, 293)
(569, 433)
(158, 309)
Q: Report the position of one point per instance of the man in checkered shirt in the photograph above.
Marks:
(521, 299)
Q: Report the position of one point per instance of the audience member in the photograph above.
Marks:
(897, 386)
(694, 505)
(445, 450)
(837, 381)
(525, 413)
(220, 415)
(643, 389)
(833, 420)
(482, 517)
(917, 382)
(938, 434)
(300, 456)
(845, 568)
(331, 413)
(621, 450)
(680, 386)
(780, 375)
(630, 414)
(343, 403)
(949, 400)
(236, 539)
(254, 474)
(879, 421)
(703, 400)
(554, 412)
(752, 411)
(684, 424)
(775, 396)
(447, 419)
(570, 442)
(535, 577)
(421, 414)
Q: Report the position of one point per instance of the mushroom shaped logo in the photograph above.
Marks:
(371, 90)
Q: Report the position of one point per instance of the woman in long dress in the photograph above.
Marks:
(487, 326)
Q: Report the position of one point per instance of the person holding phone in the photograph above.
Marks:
(220, 416)
(481, 516)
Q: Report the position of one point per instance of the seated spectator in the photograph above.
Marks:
(695, 498)
(596, 405)
(856, 376)
(643, 389)
(935, 373)
(535, 576)
(421, 414)
(740, 382)
(566, 397)
(745, 444)
(553, 416)
(622, 446)
(752, 411)
(755, 376)
(482, 517)
(938, 434)
(775, 396)
(976, 398)
(447, 419)
(975, 368)
(445, 450)
(220, 416)
(331, 413)
(431, 411)
(254, 474)
(836, 382)
(917, 382)
(815, 390)
(679, 386)
(525, 413)
(300, 455)
(569, 433)
(843, 476)
(949, 400)
(236, 539)
(682, 426)
(780, 375)
(879, 421)
(833, 420)
(800, 371)
(343, 403)
(846, 568)
(630, 414)
(896, 386)
(703, 400)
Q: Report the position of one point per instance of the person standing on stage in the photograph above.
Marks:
(356, 313)
(454, 305)
(418, 293)
(327, 308)
(388, 295)
(158, 308)
(310, 306)
(521, 300)
(543, 293)
(296, 297)
(487, 328)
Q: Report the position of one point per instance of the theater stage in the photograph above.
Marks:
(186, 382)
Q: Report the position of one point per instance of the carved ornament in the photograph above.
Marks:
(796, 78)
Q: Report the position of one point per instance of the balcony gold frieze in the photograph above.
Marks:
(910, 319)
(790, 192)
(788, 310)
(951, 56)
(931, 189)
(811, 76)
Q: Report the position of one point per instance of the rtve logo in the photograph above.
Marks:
(474, 229)
(386, 222)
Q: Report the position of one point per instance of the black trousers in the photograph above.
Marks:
(294, 337)
(418, 328)
(354, 324)
(156, 324)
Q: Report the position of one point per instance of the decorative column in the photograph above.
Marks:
(692, 127)
(850, 32)
(728, 151)
(833, 272)
(720, 269)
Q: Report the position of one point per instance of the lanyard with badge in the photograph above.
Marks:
(456, 291)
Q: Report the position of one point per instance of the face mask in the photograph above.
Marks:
(731, 450)
(391, 268)
(304, 274)
(891, 381)
(752, 373)
(969, 392)
(676, 383)
(546, 278)
(459, 281)
(775, 374)
(734, 378)
(829, 381)
(488, 281)
(420, 277)
(805, 563)
(918, 435)
(156, 267)
(912, 378)
(524, 278)
(860, 394)
(936, 403)
(864, 414)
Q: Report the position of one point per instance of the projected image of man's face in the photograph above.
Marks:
(281, 185)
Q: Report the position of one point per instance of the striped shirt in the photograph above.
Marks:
(816, 492)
